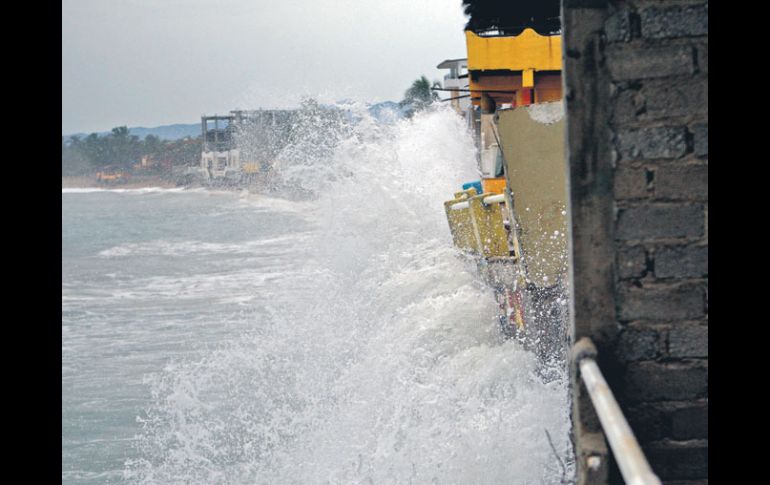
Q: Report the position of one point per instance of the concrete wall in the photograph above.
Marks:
(636, 91)
(534, 154)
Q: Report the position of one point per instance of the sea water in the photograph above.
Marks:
(333, 337)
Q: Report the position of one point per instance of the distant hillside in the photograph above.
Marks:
(169, 132)
(165, 132)
(386, 111)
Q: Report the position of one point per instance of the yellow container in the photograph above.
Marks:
(461, 223)
(250, 167)
(493, 186)
(476, 227)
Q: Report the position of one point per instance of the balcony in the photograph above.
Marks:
(528, 51)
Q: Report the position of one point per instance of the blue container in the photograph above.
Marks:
(476, 184)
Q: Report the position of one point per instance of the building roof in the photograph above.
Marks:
(450, 63)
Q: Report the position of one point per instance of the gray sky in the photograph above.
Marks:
(149, 63)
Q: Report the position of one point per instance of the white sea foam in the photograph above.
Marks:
(376, 359)
(186, 248)
(546, 113)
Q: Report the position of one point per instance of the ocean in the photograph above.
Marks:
(330, 335)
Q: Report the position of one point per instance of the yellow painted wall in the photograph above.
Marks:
(528, 50)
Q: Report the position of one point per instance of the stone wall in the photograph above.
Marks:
(636, 91)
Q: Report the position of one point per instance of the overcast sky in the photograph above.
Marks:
(154, 62)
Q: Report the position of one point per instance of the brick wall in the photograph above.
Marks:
(636, 76)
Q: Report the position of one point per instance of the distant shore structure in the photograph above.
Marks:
(239, 146)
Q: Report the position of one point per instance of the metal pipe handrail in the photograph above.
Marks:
(494, 199)
(628, 454)
(489, 200)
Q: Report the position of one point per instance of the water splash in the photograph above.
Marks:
(385, 365)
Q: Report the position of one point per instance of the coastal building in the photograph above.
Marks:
(514, 219)
(628, 149)
(220, 157)
(240, 146)
(456, 81)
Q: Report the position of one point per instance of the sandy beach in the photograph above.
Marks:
(136, 182)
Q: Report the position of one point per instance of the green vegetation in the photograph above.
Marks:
(419, 96)
(84, 156)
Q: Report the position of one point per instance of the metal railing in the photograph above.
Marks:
(629, 456)
(489, 200)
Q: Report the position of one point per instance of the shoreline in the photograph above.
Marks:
(136, 182)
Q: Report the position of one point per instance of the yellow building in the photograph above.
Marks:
(517, 226)
(514, 70)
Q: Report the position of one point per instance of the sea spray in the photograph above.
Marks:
(376, 358)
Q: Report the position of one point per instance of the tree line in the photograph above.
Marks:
(120, 149)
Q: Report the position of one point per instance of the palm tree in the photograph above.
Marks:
(420, 95)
